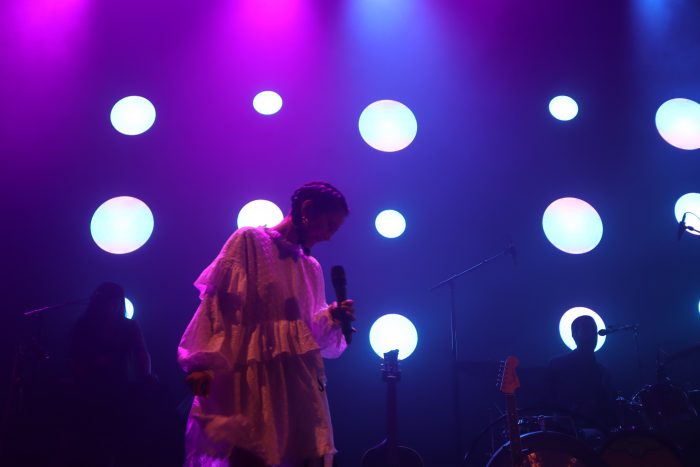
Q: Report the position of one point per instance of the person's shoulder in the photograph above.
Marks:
(245, 237)
(250, 233)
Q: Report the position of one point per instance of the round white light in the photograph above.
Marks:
(563, 108)
(128, 309)
(390, 223)
(133, 115)
(678, 122)
(388, 125)
(121, 225)
(267, 102)
(391, 332)
(689, 204)
(569, 316)
(572, 225)
(259, 212)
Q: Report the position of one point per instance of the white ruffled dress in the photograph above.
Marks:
(262, 328)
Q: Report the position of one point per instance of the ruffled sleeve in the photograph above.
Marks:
(326, 331)
(207, 343)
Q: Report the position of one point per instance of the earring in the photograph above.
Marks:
(304, 220)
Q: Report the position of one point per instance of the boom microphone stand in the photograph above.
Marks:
(450, 281)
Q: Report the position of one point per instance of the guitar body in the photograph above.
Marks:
(383, 455)
(548, 449)
(538, 449)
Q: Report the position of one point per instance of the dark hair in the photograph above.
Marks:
(103, 297)
(325, 198)
(582, 321)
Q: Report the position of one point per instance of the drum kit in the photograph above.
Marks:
(659, 426)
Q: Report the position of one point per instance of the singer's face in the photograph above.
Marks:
(323, 226)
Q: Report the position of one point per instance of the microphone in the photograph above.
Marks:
(681, 227)
(340, 284)
(622, 327)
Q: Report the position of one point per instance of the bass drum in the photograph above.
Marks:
(640, 449)
(549, 449)
(665, 405)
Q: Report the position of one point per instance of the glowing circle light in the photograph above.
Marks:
(392, 332)
(128, 309)
(689, 204)
(267, 102)
(569, 316)
(259, 212)
(133, 115)
(572, 225)
(390, 223)
(678, 122)
(388, 126)
(121, 225)
(563, 108)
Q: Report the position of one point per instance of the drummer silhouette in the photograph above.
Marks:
(578, 383)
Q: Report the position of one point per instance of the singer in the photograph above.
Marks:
(253, 350)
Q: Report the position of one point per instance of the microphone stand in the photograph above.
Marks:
(635, 329)
(450, 281)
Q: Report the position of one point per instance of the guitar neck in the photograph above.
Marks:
(516, 448)
(391, 419)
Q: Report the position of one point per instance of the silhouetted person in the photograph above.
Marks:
(578, 382)
(109, 364)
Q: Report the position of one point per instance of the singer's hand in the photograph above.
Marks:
(343, 312)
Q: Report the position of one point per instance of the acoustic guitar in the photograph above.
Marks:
(388, 453)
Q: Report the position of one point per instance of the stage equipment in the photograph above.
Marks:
(389, 453)
(450, 281)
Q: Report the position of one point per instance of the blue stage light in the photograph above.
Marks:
(390, 223)
(128, 309)
(133, 115)
(392, 332)
(678, 122)
(267, 102)
(572, 225)
(569, 316)
(689, 204)
(259, 212)
(563, 108)
(388, 125)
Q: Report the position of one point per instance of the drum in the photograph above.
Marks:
(559, 423)
(549, 449)
(630, 415)
(665, 405)
(640, 449)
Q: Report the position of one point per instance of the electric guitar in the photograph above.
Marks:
(508, 383)
(388, 453)
(542, 448)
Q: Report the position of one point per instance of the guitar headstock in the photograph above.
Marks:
(390, 367)
(508, 381)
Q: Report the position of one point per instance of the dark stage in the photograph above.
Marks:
(598, 210)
